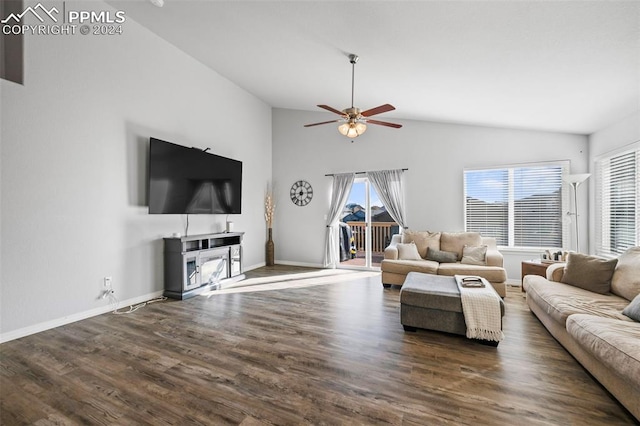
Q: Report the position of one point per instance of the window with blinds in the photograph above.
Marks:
(520, 206)
(618, 201)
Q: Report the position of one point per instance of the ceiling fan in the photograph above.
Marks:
(353, 119)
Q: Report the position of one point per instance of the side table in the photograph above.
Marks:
(533, 267)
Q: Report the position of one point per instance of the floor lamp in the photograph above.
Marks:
(575, 181)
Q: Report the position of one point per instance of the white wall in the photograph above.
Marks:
(434, 153)
(611, 138)
(74, 161)
(615, 136)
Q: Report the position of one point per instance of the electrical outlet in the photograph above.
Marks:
(107, 282)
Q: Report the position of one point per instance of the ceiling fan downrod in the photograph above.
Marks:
(353, 59)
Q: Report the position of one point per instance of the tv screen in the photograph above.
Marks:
(190, 180)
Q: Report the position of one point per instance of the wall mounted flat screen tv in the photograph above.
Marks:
(192, 181)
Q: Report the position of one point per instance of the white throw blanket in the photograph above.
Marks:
(481, 310)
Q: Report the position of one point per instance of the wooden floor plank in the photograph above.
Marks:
(332, 352)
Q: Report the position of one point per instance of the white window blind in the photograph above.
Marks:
(487, 203)
(520, 206)
(618, 201)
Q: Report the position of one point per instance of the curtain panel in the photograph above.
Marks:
(341, 187)
(388, 185)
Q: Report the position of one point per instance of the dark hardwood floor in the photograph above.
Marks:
(320, 354)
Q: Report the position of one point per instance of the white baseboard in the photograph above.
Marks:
(48, 325)
(308, 265)
(284, 262)
(256, 266)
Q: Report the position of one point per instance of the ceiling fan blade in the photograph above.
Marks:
(324, 122)
(328, 108)
(384, 123)
(378, 110)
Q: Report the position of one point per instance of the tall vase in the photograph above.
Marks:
(270, 250)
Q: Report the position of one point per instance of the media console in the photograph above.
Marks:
(199, 263)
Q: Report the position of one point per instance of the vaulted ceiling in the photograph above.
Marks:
(570, 66)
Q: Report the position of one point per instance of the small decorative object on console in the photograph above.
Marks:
(558, 256)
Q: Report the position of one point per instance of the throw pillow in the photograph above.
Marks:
(408, 251)
(455, 241)
(626, 277)
(423, 239)
(474, 255)
(589, 272)
(442, 256)
(633, 309)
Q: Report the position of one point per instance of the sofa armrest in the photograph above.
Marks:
(494, 257)
(391, 252)
(555, 271)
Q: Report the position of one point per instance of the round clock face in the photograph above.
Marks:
(301, 193)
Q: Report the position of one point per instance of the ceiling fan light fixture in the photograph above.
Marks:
(351, 129)
(343, 129)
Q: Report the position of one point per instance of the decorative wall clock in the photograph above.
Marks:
(301, 193)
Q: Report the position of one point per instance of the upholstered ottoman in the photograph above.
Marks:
(432, 302)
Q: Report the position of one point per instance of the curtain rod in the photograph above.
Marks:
(359, 173)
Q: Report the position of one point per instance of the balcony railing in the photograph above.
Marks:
(380, 234)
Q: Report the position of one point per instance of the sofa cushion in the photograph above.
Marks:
(474, 255)
(405, 266)
(626, 278)
(408, 251)
(614, 343)
(633, 309)
(561, 300)
(423, 240)
(441, 256)
(493, 274)
(589, 272)
(455, 241)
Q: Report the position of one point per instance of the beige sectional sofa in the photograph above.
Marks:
(591, 325)
(400, 257)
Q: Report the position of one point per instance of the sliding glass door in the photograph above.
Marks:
(365, 227)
